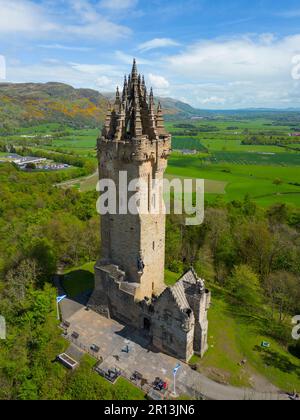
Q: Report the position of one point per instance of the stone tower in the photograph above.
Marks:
(134, 141)
(129, 276)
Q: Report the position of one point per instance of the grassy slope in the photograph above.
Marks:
(171, 278)
(79, 280)
(232, 340)
(123, 390)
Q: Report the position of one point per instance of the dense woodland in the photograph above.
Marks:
(273, 139)
(251, 253)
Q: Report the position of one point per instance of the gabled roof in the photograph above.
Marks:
(178, 293)
(191, 278)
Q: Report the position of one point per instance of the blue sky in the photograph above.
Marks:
(210, 53)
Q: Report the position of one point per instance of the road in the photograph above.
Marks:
(71, 182)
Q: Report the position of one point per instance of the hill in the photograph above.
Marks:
(173, 108)
(29, 104)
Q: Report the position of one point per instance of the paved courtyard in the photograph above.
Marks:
(114, 339)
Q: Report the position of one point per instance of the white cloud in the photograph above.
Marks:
(267, 38)
(128, 59)
(102, 29)
(2, 68)
(157, 43)
(118, 4)
(249, 71)
(64, 47)
(105, 82)
(158, 82)
(51, 61)
(289, 14)
(97, 69)
(213, 100)
(237, 59)
(84, 20)
(99, 77)
(23, 16)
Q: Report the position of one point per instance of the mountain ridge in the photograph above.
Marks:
(26, 104)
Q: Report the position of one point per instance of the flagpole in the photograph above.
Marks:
(58, 300)
(175, 385)
(57, 307)
(174, 374)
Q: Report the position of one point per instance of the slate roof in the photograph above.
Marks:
(179, 295)
(191, 278)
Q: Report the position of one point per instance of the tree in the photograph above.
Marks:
(277, 181)
(278, 213)
(245, 286)
(283, 290)
(255, 246)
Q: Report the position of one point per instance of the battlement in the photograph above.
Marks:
(136, 150)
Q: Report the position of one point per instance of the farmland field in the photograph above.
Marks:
(190, 143)
(257, 181)
(256, 158)
(267, 173)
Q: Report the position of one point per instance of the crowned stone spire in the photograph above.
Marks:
(118, 98)
(133, 115)
(134, 72)
(125, 90)
(107, 123)
(160, 124)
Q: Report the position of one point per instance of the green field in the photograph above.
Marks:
(243, 169)
(230, 169)
(235, 145)
(257, 181)
(255, 158)
(188, 143)
(232, 340)
(92, 386)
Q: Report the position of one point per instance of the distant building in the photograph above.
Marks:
(294, 134)
(22, 161)
(189, 152)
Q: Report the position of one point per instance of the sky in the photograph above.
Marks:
(212, 54)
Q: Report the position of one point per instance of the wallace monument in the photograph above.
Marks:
(129, 277)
